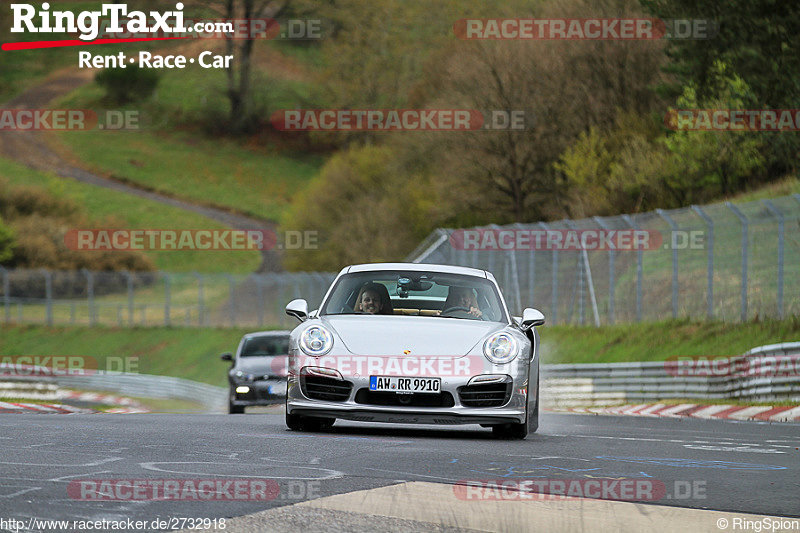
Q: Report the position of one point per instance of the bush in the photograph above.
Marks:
(6, 243)
(26, 201)
(129, 84)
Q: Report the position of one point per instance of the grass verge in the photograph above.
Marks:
(658, 341)
(124, 210)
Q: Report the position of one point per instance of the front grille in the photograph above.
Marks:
(327, 389)
(485, 395)
(392, 399)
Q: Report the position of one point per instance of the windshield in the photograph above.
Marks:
(261, 346)
(416, 294)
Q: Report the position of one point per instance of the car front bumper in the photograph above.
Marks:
(358, 405)
(266, 392)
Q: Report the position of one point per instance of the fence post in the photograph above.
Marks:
(167, 300)
(492, 253)
(611, 259)
(631, 222)
(674, 228)
(232, 298)
(780, 218)
(710, 245)
(90, 295)
(260, 296)
(6, 295)
(129, 282)
(554, 280)
(745, 228)
(200, 299)
(48, 291)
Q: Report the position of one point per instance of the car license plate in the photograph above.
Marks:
(405, 385)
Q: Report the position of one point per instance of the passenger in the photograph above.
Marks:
(463, 297)
(373, 298)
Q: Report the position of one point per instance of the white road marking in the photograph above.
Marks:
(787, 415)
(330, 474)
(748, 412)
(710, 411)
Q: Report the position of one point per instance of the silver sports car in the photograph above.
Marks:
(414, 343)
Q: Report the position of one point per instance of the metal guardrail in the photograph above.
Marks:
(764, 374)
(148, 386)
(760, 375)
(27, 382)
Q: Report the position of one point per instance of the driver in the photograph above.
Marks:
(463, 297)
(373, 298)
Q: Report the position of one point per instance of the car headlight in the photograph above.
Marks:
(500, 348)
(316, 341)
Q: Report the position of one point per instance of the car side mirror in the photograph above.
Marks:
(530, 318)
(298, 309)
(227, 356)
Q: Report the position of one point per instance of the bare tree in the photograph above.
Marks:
(239, 90)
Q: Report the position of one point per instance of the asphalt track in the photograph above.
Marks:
(731, 466)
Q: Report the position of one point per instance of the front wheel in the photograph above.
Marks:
(308, 423)
(234, 409)
(512, 431)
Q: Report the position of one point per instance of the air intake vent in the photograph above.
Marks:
(368, 397)
(485, 395)
(327, 389)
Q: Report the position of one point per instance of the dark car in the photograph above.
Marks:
(258, 374)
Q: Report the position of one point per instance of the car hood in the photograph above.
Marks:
(423, 336)
(275, 365)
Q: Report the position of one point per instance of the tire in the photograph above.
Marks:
(533, 420)
(308, 423)
(234, 409)
(520, 431)
(511, 431)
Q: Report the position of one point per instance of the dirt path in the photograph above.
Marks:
(32, 149)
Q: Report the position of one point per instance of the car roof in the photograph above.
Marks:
(273, 333)
(416, 267)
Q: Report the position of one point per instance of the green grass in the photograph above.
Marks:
(170, 153)
(193, 353)
(786, 186)
(104, 205)
(659, 341)
(186, 353)
(211, 172)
